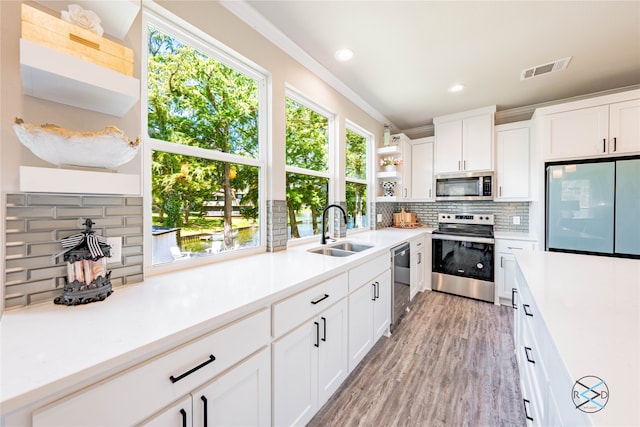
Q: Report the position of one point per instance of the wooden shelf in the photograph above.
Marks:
(58, 77)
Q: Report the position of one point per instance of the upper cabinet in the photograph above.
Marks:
(513, 159)
(464, 141)
(67, 64)
(579, 130)
(422, 169)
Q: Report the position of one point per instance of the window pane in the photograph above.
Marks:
(307, 138)
(198, 101)
(356, 155)
(201, 207)
(306, 198)
(357, 205)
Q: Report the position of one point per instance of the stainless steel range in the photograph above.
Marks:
(463, 250)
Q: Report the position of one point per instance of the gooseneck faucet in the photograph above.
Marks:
(323, 239)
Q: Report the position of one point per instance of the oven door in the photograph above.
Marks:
(463, 256)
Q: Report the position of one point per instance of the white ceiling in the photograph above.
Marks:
(407, 53)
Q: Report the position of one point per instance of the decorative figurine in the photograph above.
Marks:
(87, 277)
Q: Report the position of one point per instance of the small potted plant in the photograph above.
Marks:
(389, 163)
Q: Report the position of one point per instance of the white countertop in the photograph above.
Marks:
(591, 307)
(50, 349)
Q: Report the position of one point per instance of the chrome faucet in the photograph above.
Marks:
(323, 240)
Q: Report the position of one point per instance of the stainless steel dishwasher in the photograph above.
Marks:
(401, 281)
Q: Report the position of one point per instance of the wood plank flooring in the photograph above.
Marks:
(449, 363)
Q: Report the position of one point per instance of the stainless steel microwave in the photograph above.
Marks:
(465, 186)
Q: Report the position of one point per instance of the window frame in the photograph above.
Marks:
(330, 174)
(369, 180)
(168, 23)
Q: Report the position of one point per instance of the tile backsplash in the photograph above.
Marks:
(35, 223)
(428, 212)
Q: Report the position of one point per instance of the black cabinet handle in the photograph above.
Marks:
(604, 145)
(321, 299)
(526, 410)
(324, 326)
(204, 412)
(514, 291)
(317, 344)
(527, 312)
(377, 290)
(191, 371)
(184, 417)
(374, 291)
(614, 144)
(527, 352)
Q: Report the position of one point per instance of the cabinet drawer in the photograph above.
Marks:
(510, 246)
(140, 391)
(289, 313)
(363, 274)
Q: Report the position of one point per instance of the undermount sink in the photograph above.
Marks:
(341, 249)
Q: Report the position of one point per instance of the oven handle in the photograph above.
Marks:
(457, 238)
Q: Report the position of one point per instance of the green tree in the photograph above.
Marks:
(198, 101)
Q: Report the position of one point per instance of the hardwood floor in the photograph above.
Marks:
(449, 363)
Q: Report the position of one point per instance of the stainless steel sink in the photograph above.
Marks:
(331, 252)
(352, 246)
(341, 249)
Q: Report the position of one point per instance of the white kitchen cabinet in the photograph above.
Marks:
(464, 141)
(513, 159)
(418, 261)
(600, 130)
(309, 364)
(369, 316)
(160, 380)
(505, 265)
(241, 396)
(422, 170)
(401, 176)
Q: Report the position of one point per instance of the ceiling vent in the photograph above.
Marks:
(551, 67)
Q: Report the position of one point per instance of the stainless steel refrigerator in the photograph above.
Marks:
(593, 207)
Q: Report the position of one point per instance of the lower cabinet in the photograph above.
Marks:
(242, 396)
(505, 264)
(418, 261)
(309, 364)
(369, 316)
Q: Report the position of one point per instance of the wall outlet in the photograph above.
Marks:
(379, 217)
(516, 220)
(116, 250)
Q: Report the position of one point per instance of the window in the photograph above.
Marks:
(357, 143)
(203, 120)
(308, 178)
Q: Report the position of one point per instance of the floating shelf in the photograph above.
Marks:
(395, 175)
(58, 77)
(53, 180)
(389, 149)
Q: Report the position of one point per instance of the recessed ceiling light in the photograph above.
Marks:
(343, 54)
(456, 88)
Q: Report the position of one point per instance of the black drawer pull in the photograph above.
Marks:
(191, 371)
(184, 417)
(527, 312)
(324, 323)
(374, 292)
(527, 351)
(204, 411)
(317, 344)
(321, 299)
(526, 410)
(514, 291)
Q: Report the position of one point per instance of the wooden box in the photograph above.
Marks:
(49, 31)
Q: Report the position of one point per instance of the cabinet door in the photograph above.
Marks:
(332, 353)
(448, 147)
(624, 127)
(240, 397)
(477, 143)
(513, 164)
(417, 267)
(295, 376)
(505, 274)
(406, 169)
(382, 306)
(360, 323)
(178, 414)
(576, 133)
(422, 171)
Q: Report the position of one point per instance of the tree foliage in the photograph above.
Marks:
(198, 101)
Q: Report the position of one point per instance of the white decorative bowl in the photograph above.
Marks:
(108, 148)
